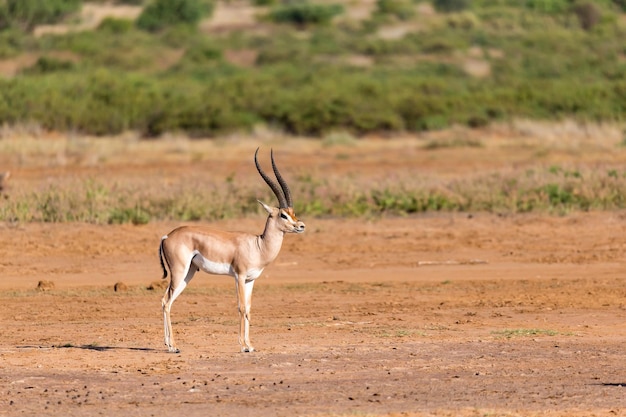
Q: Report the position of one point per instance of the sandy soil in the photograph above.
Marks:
(433, 315)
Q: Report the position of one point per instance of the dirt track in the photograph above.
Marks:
(439, 315)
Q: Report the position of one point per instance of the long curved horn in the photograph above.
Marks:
(282, 201)
(281, 181)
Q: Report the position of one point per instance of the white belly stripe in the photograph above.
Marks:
(219, 268)
(212, 267)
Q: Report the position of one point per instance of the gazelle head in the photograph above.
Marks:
(283, 215)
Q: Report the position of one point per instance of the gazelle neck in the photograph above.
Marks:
(271, 240)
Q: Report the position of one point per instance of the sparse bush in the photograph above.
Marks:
(448, 6)
(553, 190)
(283, 49)
(548, 6)
(29, 13)
(402, 9)
(477, 121)
(620, 3)
(419, 110)
(588, 14)
(5, 18)
(12, 42)
(117, 26)
(160, 14)
(302, 13)
(48, 64)
(134, 215)
(202, 53)
(464, 21)
(261, 3)
(179, 36)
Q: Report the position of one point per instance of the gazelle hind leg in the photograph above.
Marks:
(172, 292)
(167, 323)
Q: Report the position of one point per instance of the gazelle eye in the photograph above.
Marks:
(284, 216)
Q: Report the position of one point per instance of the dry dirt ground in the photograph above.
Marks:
(433, 315)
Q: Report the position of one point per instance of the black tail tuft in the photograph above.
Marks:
(161, 257)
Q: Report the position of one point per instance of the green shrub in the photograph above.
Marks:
(117, 26)
(548, 6)
(179, 36)
(448, 6)
(281, 49)
(114, 46)
(12, 42)
(46, 64)
(29, 13)
(402, 9)
(160, 14)
(302, 13)
(201, 53)
(5, 18)
(463, 21)
(261, 3)
(134, 215)
(620, 3)
(588, 14)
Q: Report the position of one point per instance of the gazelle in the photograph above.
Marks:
(243, 256)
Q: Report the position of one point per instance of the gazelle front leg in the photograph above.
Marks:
(244, 304)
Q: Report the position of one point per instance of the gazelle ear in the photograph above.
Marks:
(266, 207)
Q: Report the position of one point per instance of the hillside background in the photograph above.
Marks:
(309, 68)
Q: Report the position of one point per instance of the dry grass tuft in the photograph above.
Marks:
(4, 176)
(45, 285)
(158, 285)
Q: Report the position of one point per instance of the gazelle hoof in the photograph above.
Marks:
(247, 349)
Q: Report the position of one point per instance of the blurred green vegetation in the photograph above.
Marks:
(554, 190)
(314, 69)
